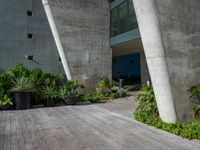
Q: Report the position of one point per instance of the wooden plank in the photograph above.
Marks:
(14, 142)
(2, 129)
(7, 137)
(20, 135)
(24, 125)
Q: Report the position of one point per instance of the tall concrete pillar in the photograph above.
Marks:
(170, 33)
(151, 35)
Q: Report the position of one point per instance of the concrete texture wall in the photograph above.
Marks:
(83, 26)
(180, 27)
(14, 44)
(172, 48)
(145, 77)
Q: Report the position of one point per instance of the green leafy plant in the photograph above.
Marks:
(22, 84)
(68, 93)
(191, 130)
(119, 93)
(71, 89)
(17, 71)
(5, 101)
(104, 86)
(134, 87)
(93, 97)
(147, 113)
(49, 92)
(195, 91)
(147, 101)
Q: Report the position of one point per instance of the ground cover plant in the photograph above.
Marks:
(147, 112)
(195, 91)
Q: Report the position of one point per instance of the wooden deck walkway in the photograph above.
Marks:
(82, 128)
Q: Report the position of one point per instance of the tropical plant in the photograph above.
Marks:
(147, 101)
(48, 92)
(93, 97)
(69, 89)
(5, 81)
(22, 84)
(52, 79)
(104, 86)
(5, 101)
(134, 87)
(195, 91)
(17, 71)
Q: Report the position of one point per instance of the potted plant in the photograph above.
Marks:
(49, 93)
(5, 102)
(68, 92)
(22, 88)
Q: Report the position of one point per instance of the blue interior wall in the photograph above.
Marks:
(127, 65)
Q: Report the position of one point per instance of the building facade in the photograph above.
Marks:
(140, 40)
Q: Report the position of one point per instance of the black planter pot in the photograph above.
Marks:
(49, 103)
(71, 101)
(4, 107)
(22, 100)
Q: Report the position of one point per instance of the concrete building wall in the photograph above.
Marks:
(172, 47)
(180, 27)
(14, 44)
(83, 26)
(145, 77)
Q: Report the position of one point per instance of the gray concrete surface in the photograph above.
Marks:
(124, 106)
(82, 128)
(84, 28)
(178, 24)
(14, 44)
(180, 21)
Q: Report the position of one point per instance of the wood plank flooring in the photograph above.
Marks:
(82, 128)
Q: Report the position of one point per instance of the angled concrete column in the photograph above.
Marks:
(149, 26)
(83, 28)
(57, 38)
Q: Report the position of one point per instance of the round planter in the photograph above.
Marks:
(49, 103)
(22, 100)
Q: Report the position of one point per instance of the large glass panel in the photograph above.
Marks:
(114, 22)
(123, 18)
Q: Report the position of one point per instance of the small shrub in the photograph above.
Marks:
(5, 100)
(191, 130)
(154, 120)
(147, 101)
(134, 87)
(104, 86)
(195, 91)
(49, 92)
(147, 113)
(119, 93)
(22, 84)
(93, 97)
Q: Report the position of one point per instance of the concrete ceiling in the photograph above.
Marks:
(126, 48)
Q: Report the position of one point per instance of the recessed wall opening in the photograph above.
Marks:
(30, 35)
(129, 63)
(29, 13)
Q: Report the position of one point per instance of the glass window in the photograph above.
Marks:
(123, 18)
